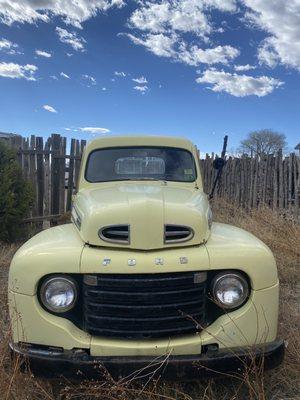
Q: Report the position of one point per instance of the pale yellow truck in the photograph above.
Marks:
(143, 277)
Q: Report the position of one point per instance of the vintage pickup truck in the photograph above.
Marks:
(142, 276)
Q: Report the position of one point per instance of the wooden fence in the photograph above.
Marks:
(52, 172)
(273, 180)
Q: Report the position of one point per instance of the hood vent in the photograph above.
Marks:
(115, 234)
(177, 233)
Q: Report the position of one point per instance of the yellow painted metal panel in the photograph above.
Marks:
(254, 323)
(142, 205)
(32, 324)
(53, 250)
(92, 260)
(231, 247)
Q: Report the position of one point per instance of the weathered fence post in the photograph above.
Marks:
(40, 175)
(55, 152)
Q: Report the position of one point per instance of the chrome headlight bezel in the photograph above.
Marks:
(68, 282)
(240, 279)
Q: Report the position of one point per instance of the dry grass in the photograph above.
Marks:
(282, 235)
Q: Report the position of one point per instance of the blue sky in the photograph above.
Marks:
(194, 68)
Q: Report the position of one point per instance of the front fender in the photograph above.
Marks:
(45, 253)
(230, 247)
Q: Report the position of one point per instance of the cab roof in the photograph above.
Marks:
(142, 140)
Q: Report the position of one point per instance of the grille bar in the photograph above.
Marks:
(145, 334)
(149, 310)
(144, 305)
(146, 280)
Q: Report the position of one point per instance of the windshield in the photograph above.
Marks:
(140, 163)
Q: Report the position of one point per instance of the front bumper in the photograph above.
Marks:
(78, 364)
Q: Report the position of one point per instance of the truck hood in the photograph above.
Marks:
(145, 210)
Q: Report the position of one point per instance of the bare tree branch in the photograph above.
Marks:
(263, 142)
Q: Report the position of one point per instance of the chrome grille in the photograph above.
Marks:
(115, 234)
(144, 305)
(177, 233)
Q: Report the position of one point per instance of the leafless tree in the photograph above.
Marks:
(263, 142)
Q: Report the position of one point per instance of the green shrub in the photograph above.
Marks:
(16, 196)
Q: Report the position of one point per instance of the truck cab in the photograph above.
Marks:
(143, 273)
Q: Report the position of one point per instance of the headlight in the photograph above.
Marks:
(58, 294)
(230, 290)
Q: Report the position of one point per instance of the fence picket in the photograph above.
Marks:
(47, 180)
(32, 172)
(62, 175)
(40, 175)
(55, 142)
(71, 176)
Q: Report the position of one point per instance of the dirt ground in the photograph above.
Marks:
(282, 235)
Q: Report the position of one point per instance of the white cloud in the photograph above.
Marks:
(72, 12)
(281, 20)
(63, 75)
(5, 44)
(120, 73)
(266, 54)
(104, 89)
(43, 53)
(178, 16)
(159, 44)
(72, 129)
(70, 38)
(54, 77)
(246, 67)
(90, 80)
(175, 48)
(49, 108)
(8, 47)
(140, 80)
(94, 129)
(162, 28)
(17, 71)
(141, 89)
(217, 55)
(239, 85)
